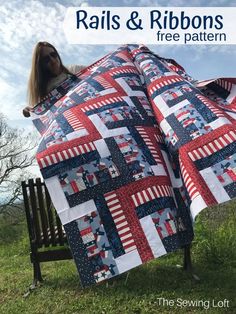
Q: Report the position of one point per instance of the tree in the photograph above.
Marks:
(16, 155)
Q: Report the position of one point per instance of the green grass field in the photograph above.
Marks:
(214, 259)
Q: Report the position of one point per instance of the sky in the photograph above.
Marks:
(25, 22)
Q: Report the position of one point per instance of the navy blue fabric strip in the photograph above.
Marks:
(152, 206)
(84, 265)
(109, 226)
(216, 157)
(68, 164)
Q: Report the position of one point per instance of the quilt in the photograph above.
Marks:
(131, 150)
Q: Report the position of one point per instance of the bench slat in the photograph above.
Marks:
(30, 224)
(34, 211)
(51, 215)
(59, 229)
(42, 211)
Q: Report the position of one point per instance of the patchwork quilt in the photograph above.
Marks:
(131, 150)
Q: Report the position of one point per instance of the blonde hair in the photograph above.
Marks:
(39, 75)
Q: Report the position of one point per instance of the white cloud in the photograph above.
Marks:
(76, 3)
(177, 3)
(11, 101)
(22, 25)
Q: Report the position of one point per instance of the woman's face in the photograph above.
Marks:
(50, 60)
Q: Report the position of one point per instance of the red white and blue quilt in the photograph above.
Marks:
(131, 150)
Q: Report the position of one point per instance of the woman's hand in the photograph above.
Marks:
(26, 111)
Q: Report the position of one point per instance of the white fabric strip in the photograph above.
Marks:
(128, 261)
(103, 130)
(218, 123)
(76, 212)
(197, 205)
(152, 236)
(76, 134)
(127, 88)
(56, 193)
(214, 185)
(158, 170)
(102, 148)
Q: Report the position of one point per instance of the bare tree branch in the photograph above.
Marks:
(16, 155)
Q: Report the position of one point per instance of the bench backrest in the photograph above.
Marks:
(44, 225)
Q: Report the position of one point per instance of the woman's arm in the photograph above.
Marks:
(75, 68)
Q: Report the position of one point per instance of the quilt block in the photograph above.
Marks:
(131, 150)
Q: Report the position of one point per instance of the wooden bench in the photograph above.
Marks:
(47, 237)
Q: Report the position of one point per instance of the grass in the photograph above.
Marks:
(213, 254)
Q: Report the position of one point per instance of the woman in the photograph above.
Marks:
(47, 72)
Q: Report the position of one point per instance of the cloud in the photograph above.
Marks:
(11, 101)
(30, 19)
(22, 24)
(172, 3)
